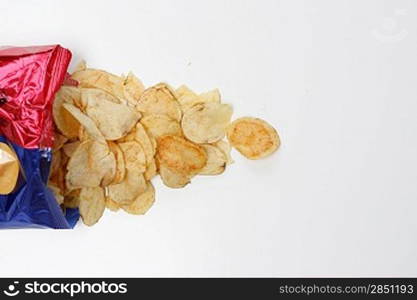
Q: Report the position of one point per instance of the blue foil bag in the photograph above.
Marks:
(32, 204)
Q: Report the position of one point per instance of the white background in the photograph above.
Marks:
(338, 79)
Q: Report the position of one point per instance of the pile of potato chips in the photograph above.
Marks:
(113, 136)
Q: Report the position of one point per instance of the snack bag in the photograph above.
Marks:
(29, 79)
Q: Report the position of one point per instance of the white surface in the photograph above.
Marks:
(339, 81)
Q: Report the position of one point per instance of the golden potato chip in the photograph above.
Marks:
(98, 95)
(64, 120)
(134, 156)
(91, 165)
(112, 205)
(86, 122)
(81, 66)
(59, 141)
(187, 98)
(143, 139)
(112, 119)
(173, 179)
(180, 155)
(151, 170)
(133, 89)
(132, 185)
(58, 178)
(159, 100)
(142, 203)
(70, 148)
(92, 204)
(206, 122)
(211, 96)
(61, 172)
(9, 169)
(72, 199)
(184, 90)
(83, 135)
(216, 161)
(55, 162)
(153, 141)
(134, 182)
(253, 137)
(92, 78)
(64, 158)
(226, 148)
(101, 159)
(159, 125)
(59, 197)
(131, 136)
(79, 173)
(120, 163)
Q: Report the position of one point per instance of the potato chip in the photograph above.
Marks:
(161, 100)
(180, 155)
(72, 199)
(113, 120)
(120, 163)
(59, 141)
(81, 66)
(134, 182)
(253, 137)
(151, 170)
(61, 172)
(226, 148)
(132, 185)
(59, 197)
(149, 148)
(98, 95)
(55, 162)
(216, 161)
(153, 141)
(173, 179)
(159, 125)
(131, 136)
(143, 139)
(58, 177)
(211, 96)
(91, 165)
(92, 78)
(92, 204)
(64, 157)
(134, 156)
(87, 123)
(9, 169)
(83, 135)
(206, 122)
(64, 120)
(70, 148)
(112, 205)
(187, 98)
(101, 159)
(133, 89)
(184, 90)
(142, 203)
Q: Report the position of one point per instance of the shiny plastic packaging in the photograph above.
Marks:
(29, 79)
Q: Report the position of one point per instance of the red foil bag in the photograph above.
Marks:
(29, 79)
